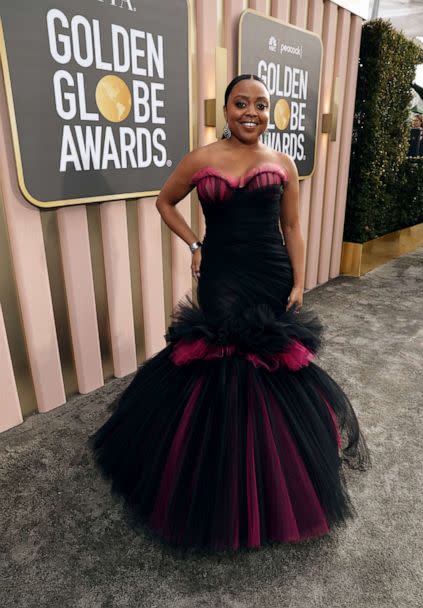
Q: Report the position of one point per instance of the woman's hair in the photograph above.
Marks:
(235, 80)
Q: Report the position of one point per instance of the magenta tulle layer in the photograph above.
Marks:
(296, 357)
(293, 509)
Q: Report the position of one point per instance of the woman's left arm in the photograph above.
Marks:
(291, 229)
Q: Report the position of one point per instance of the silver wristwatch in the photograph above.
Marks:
(195, 246)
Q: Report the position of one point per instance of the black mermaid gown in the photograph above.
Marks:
(231, 436)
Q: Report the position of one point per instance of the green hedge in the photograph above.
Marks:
(408, 193)
(380, 193)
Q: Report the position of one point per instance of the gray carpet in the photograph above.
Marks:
(66, 543)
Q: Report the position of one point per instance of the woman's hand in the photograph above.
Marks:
(195, 263)
(295, 299)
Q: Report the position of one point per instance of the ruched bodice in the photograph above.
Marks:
(242, 208)
(242, 237)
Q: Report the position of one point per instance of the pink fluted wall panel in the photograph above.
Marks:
(206, 23)
(10, 409)
(232, 11)
(181, 256)
(281, 9)
(29, 261)
(345, 143)
(316, 203)
(332, 167)
(151, 265)
(298, 17)
(78, 277)
(114, 232)
(258, 5)
(314, 24)
(298, 14)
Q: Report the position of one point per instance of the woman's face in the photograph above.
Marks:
(247, 110)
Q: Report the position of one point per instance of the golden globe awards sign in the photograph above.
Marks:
(289, 60)
(98, 94)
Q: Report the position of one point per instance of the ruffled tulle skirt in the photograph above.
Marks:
(232, 436)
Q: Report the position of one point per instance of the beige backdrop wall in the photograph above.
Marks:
(86, 292)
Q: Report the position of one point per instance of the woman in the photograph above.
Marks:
(231, 436)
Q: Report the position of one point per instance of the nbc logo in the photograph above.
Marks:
(272, 44)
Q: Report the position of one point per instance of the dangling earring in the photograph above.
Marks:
(227, 132)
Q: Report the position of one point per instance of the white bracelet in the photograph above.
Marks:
(194, 246)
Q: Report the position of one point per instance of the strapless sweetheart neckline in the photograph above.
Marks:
(242, 180)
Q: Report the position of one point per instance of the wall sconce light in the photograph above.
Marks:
(213, 113)
(210, 112)
(330, 120)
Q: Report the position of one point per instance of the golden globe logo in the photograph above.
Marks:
(139, 55)
(113, 98)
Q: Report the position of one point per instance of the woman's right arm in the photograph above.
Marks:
(176, 187)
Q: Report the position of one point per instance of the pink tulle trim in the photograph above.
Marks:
(296, 357)
(233, 181)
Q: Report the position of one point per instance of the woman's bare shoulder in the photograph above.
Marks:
(287, 162)
(199, 157)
